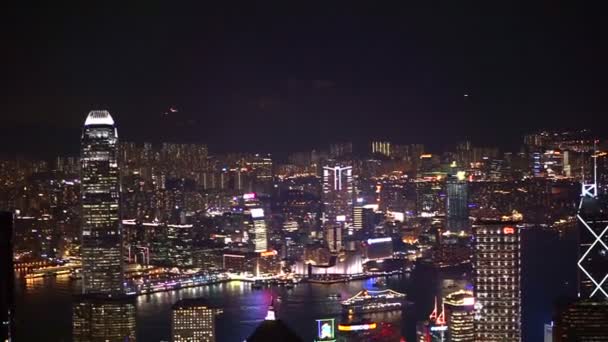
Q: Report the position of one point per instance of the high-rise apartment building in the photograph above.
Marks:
(193, 320)
(497, 269)
(381, 147)
(102, 240)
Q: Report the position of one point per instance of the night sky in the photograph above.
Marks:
(268, 78)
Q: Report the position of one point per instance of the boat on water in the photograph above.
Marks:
(257, 285)
(367, 301)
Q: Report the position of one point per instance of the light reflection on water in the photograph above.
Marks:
(244, 307)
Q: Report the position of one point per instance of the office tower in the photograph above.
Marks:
(592, 220)
(457, 206)
(260, 230)
(338, 192)
(7, 300)
(497, 281)
(582, 320)
(460, 315)
(363, 217)
(381, 147)
(192, 320)
(101, 248)
(333, 237)
(100, 318)
(179, 238)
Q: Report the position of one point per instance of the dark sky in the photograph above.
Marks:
(268, 78)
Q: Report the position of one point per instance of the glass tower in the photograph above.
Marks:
(101, 248)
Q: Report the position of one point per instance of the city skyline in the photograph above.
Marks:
(295, 173)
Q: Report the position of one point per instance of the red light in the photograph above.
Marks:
(508, 230)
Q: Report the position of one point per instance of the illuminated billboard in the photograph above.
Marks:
(379, 240)
(326, 329)
(257, 212)
(249, 196)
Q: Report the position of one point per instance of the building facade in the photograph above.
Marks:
(99, 318)
(497, 268)
(193, 321)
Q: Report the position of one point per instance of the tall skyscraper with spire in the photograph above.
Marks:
(592, 220)
(101, 248)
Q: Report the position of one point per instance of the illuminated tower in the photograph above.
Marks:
(497, 266)
(338, 200)
(457, 203)
(338, 194)
(101, 248)
(260, 230)
(193, 320)
(381, 147)
(460, 315)
(593, 242)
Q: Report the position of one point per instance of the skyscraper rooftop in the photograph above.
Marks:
(99, 117)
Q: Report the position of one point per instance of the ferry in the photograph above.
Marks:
(367, 301)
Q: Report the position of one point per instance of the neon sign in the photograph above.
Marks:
(326, 329)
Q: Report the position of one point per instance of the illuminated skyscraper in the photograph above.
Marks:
(497, 281)
(592, 220)
(457, 206)
(260, 230)
(179, 238)
(101, 248)
(381, 147)
(7, 297)
(98, 318)
(338, 194)
(460, 316)
(192, 320)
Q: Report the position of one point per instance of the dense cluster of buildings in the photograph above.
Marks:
(321, 215)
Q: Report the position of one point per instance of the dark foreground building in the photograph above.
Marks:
(7, 299)
(100, 318)
(583, 320)
(273, 329)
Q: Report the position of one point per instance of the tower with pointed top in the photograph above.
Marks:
(102, 238)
